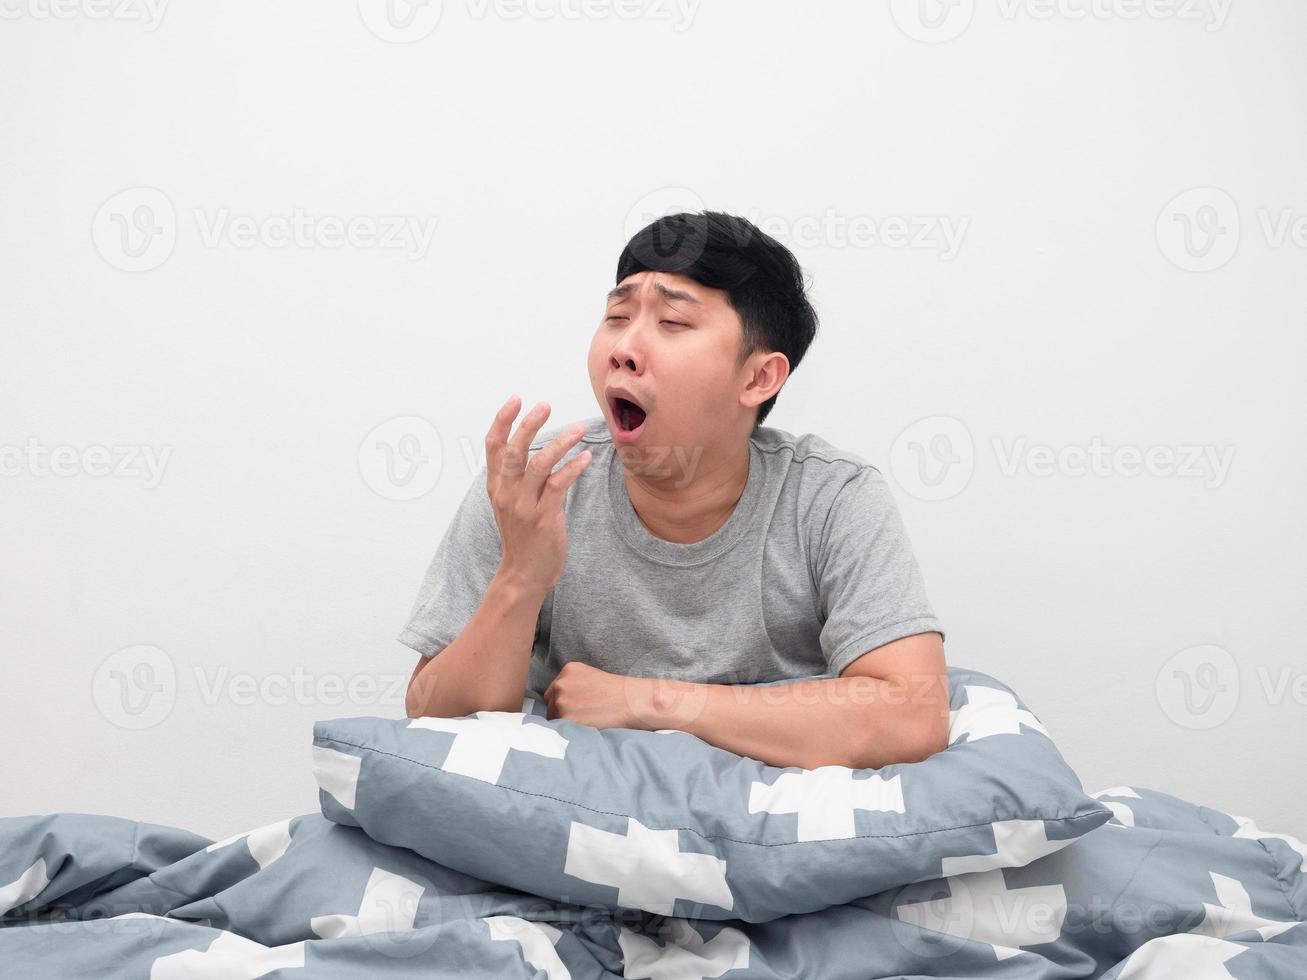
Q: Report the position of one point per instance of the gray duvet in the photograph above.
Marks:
(1162, 889)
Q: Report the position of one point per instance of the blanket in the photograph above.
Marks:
(1165, 888)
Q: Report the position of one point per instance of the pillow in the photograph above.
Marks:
(670, 824)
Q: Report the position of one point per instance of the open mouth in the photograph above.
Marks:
(629, 415)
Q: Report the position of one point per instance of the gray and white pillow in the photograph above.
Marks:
(669, 824)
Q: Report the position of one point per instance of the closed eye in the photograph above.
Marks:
(675, 323)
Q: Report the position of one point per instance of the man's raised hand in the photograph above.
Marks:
(526, 495)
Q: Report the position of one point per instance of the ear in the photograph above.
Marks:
(767, 375)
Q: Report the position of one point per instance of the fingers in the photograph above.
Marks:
(509, 460)
(497, 440)
(514, 456)
(562, 478)
(542, 463)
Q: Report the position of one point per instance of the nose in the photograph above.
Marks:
(626, 352)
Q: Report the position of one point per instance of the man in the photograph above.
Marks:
(682, 552)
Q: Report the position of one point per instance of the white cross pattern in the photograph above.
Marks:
(1235, 913)
(981, 907)
(989, 711)
(1016, 844)
(389, 904)
(265, 844)
(647, 867)
(1182, 955)
(537, 940)
(337, 774)
(25, 887)
(685, 956)
(229, 957)
(1122, 815)
(825, 798)
(1202, 952)
(481, 743)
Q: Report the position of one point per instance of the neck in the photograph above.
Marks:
(684, 499)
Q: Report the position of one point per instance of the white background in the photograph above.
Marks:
(1061, 139)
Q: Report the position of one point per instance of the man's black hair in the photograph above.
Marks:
(761, 278)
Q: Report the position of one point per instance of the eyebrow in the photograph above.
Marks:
(664, 291)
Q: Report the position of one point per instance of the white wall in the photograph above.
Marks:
(1052, 145)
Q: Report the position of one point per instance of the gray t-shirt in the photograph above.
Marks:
(812, 569)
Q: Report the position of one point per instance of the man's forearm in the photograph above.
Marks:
(486, 667)
(859, 722)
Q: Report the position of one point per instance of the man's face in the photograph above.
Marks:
(672, 343)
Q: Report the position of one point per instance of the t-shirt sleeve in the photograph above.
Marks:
(870, 589)
(459, 574)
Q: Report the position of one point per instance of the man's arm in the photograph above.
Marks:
(485, 668)
(890, 705)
